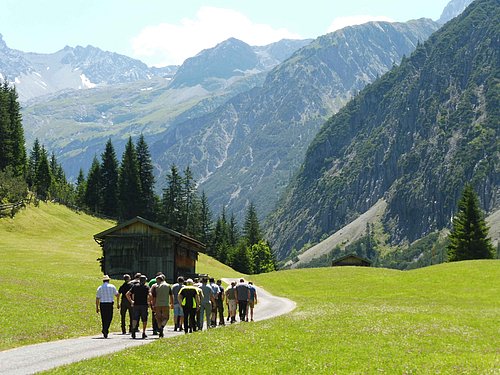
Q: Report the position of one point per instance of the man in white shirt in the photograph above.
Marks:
(104, 303)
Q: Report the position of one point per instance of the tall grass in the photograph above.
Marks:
(442, 319)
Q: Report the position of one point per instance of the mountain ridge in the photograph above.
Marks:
(259, 137)
(406, 138)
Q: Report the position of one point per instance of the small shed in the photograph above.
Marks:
(351, 260)
(139, 245)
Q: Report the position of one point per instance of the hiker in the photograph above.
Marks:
(242, 296)
(178, 313)
(162, 301)
(154, 322)
(197, 285)
(189, 299)
(219, 301)
(124, 304)
(215, 290)
(104, 303)
(231, 301)
(207, 300)
(252, 300)
(136, 279)
(139, 298)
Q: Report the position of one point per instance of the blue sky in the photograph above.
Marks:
(163, 32)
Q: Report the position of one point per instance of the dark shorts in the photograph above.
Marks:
(141, 311)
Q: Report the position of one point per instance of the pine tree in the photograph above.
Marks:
(81, 186)
(172, 201)
(12, 151)
(220, 239)
(469, 236)
(129, 184)
(109, 181)
(93, 197)
(191, 205)
(205, 220)
(18, 150)
(43, 177)
(233, 231)
(5, 137)
(33, 161)
(60, 189)
(146, 176)
(251, 228)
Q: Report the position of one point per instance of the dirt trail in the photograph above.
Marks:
(39, 357)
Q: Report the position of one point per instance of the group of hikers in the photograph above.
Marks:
(193, 301)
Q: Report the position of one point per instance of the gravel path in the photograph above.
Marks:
(39, 357)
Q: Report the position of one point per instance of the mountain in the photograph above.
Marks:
(453, 9)
(37, 74)
(232, 59)
(412, 138)
(247, 148)
(77, 123)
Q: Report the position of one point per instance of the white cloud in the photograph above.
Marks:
(341, 22)
(167, 44)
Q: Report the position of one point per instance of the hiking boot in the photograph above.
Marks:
(133, 334)
(144, 335)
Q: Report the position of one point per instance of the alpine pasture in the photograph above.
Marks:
(439, 319)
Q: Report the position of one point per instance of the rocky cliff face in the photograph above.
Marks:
(414, 137)
(247, 149)
(453, 9)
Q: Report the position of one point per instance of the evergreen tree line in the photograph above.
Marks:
(42, 175)
(125, 190)
(13, 186)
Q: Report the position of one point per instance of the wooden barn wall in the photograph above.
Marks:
(128, 253)
(185, 260)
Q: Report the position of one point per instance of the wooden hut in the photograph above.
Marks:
(139, 245)
(351, 260)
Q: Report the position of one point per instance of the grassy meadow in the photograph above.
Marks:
(441, 319)
(48, 275)
(437, 320)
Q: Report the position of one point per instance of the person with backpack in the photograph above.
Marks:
(189, 299)
(162, 301)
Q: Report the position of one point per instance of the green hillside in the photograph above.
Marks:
(49, 275)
